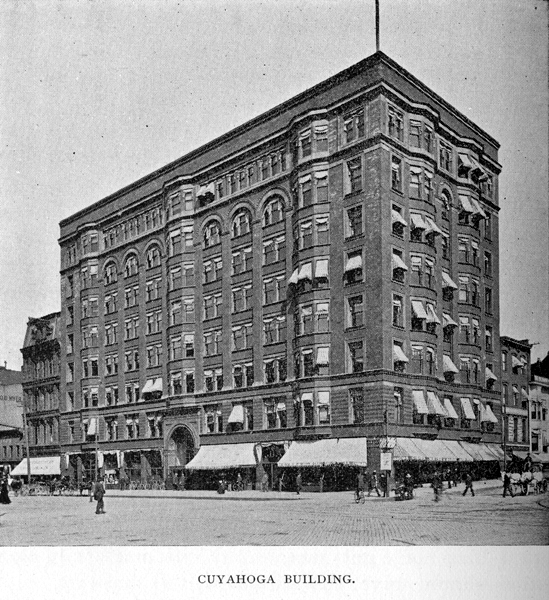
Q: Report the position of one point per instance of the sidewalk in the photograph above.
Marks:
(258, 496)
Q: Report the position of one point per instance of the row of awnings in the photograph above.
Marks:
(341, 451)
(518, 362)
(430, 404)
(426, 224)
(472, 165)
(522, 392)
(444, 451)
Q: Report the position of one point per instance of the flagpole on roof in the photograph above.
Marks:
(377, 25)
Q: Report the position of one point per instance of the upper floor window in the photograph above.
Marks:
(274, 211)
(153, 257)
(396, 174)
(131, 266)
(354, 221)
(212, 234)
(354, 175)
(396, 123)
(320, 131)
(305, 144)
(174, 204)
(353, 125)
(241, 223)
(110, 274)
(445, 156)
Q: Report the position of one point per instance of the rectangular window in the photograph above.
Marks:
(396, 174)
(356, 356)
(398, 311)
(415, 182)
(355, 311)
(354, 222)
(354, 175)
(356, 397)
(396, 124)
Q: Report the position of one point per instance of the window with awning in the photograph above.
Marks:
(524, 394)
(294, 277)
(432, 227)
(420, 403)
(417, 221)
(418, 310)
(447, 321)
(396, 217)
(447, 281)
(323, 356)
(305, 272)
(465, 203)
(398, 263)
(237, 414)
(465, 161)
(157, 385)
(449, 407)
(516, 363)
(147, 388)
(321, 268)
(489, 415)
(434, 405)
(478, 211)
(432, 316)
(398, 354)
(92, 426)
(448, 365)
(490, 375)
(467, 409)
(353, 263)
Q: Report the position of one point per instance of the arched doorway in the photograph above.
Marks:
(181, 448)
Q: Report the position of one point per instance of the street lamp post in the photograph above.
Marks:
(26, 433)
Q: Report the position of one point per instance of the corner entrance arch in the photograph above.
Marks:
(181, 447)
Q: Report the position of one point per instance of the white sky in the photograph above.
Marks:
(95, 95)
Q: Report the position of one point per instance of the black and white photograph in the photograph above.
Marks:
(275, 289)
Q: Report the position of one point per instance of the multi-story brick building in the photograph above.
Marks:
(515, 380)
(308, 285)
(539, 404)
(41, 368)
(11, 418)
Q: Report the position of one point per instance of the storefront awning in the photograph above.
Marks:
(459, 453)
(479, 452)
(428, 450)
(467, 409)
(406, 449)
(318, 453)
(40, 465)
(223, 456)
(419, 402)
(448, 365)
(237, 414)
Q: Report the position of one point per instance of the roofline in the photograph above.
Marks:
(514, 342)
(327, 83)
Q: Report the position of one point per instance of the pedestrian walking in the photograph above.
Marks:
(469, 484)
(298, 483)
(4, 492)
(98, 493)
(409, 484)
(437, 485)
(507, 487)
(373, 484)
(91, 490)
(360, 482)
(281, 482)
(449, 477)
(265, 483)
(384, 480)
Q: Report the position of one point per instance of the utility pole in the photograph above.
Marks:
(26, 432)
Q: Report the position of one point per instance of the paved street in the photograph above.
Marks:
(273, 519)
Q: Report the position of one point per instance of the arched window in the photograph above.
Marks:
(274, 211)
(153, 257)
(241, 223)
(110, 273)
(446, 204)
(131, 266)
(212, 234)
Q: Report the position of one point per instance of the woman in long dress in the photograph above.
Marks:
(4, 492)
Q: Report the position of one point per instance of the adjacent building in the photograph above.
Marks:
(539, 403)
(11, 419)
(314, 286)
(515, 381)
(41, 368)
